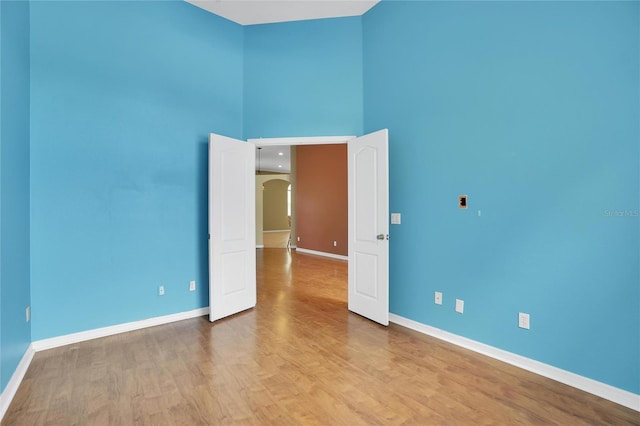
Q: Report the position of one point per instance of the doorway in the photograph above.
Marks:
(232, 222)
(272, 182)
(262, 145)
(276, 213)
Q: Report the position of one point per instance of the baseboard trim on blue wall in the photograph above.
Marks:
(54, 342)
(322, 253)
(619, 396)
(14, 383)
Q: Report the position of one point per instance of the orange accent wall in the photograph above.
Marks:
(321, 197)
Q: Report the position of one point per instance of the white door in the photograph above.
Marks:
(369, 226)
(232, 222)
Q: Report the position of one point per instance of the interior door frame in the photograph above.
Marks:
(303, 140)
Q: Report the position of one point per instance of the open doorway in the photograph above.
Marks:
(316, 200)
(232, 223)
(318, 206)
(368, 211)
(276, 213)
(273, 181)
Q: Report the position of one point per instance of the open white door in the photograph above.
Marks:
(369, 226)
(232, 222)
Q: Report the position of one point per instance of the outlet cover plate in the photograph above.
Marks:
(438, 298)
(459, 306)
(192, 286)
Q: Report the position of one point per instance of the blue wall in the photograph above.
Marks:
(531, 109)
(123, 96)
(303, 78)
(15, 332)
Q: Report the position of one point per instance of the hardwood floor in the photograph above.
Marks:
(299, 357)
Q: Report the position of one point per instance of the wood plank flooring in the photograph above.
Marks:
(299, 357)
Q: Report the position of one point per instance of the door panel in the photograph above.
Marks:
(232, 261)
(369, 226)
(365, 267)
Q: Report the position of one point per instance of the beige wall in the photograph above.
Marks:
(274, 205)
(261, 180)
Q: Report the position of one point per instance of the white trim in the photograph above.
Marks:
(617, 395)
(322, 253)
(316, 140)
(259, 246)
(54, 342)
(14, 383)
(277, 230)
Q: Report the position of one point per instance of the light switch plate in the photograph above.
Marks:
(523, 320)
(438, 298)
(395, 218)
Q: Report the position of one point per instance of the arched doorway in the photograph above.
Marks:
(272, 210)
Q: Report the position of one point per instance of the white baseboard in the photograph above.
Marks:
(54, 342)
(14, 383)
(619, 396)
(276, 230)
(321, 253)
(259, 246)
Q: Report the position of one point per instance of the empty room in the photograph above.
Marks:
(490, 272)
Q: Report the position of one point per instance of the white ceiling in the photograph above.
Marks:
(251, 12)
(273, 159)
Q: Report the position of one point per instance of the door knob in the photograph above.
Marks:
(380, 236)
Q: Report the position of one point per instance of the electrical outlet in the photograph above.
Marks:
(161, 290)
(298, 239)
(28, 313)
(459, 306)
(192, 286)
(438, 298)
(335, 244)
(523, 320)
